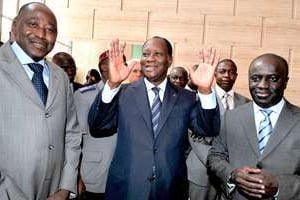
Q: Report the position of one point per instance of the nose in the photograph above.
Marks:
(40, 32)
(263, 83)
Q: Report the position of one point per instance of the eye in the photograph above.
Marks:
(145, 54)
(33, 24)
(274, 78)
(255, 78)
(50, 30)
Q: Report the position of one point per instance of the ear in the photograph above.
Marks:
(170, 60)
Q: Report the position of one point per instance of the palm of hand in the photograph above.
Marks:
(203, 75)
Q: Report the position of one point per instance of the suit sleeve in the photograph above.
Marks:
(218, 160)
(102, 117)
(205, 122)
(72, 147)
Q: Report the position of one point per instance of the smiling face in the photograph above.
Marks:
(35, 30)
(268, 77)
(156, 60)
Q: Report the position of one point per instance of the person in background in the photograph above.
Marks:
(66, 62)
(92, 77)
(179, 76)
(201, 186)
(1, 43)
(256, 155)
(136, 70)
(40, 137)
(149, 160)
(97, 153)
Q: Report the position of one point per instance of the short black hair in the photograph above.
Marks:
(168, 44)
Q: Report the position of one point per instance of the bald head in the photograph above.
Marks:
(268, 78)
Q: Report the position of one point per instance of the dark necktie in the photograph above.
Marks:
(155, 110)
(38, 81)
(265, 130)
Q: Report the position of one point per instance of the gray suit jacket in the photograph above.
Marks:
(196, 161)
(237, 146)
(97, 153)
(39, 145)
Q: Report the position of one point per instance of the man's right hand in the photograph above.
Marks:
(118, 71)
(249, 181)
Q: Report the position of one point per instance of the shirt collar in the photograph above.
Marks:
(161, 86)
(220, 92)
(22, 56)
(276, 108)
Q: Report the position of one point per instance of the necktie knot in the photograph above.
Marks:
(266, 112)
(155, 90)
(36, 67)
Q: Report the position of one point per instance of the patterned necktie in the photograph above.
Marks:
(225, 101)
(265, 130)
(38, 81)
(155, 110)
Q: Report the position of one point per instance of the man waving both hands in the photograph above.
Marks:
(152, 117)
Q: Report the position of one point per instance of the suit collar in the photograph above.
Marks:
(15, 70)
(284, 125)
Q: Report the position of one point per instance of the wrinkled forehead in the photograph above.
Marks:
(37, 11)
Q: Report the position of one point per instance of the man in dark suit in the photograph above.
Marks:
(149, 162)
(256, 155)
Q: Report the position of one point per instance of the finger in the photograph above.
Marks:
(207, 53)
(116, 47)
(216, 59)
(256, 195)
(201, 56)
(212, 56)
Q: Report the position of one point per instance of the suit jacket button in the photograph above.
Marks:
(51, 147)
(47, 115)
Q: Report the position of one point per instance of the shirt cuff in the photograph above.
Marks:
(108, 94)
(208, 101)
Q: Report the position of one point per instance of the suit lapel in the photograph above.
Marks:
(142, 102)
(170, 97)
(17, 73)
(54, 84)
(285, 123)
(248, 123)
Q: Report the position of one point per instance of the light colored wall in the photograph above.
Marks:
(242, 29)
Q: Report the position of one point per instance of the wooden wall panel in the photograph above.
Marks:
(177, 28)
(187, 54)
(296, 9)
(281, 32)
(74, 23)
(53, 4)
(233, 30)
(293, 89)
(264, 8)
(164, 6)
(219, 7)
(130, 26)
(96, 4)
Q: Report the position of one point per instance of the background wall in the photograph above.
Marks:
(242, 29)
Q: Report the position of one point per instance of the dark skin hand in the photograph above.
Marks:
(255, 182)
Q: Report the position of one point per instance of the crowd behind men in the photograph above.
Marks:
(129, 133)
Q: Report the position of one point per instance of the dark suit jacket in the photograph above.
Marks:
(237, 146)
(131, 172)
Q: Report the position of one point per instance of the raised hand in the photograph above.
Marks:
(203, 76)
(118, 71)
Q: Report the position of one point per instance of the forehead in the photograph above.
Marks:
(225, 65)
(38, 12)
(177, 71)
(155, 44)
(267, 65)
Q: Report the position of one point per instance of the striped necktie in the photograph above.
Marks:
(38, 81)
(155, 110)
(265, 130)
(225, 101)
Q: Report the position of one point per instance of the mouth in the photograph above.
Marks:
(262, 95)
(149, 68)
